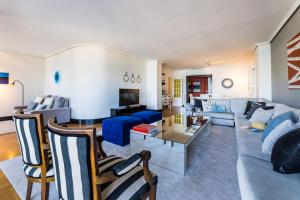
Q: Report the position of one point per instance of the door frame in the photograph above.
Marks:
(187, 86)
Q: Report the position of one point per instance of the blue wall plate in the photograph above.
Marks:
(57, 77)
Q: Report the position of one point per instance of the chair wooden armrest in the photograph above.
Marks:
(99, 146)
(106, 178)
(146, 155)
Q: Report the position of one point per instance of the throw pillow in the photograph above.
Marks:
(38, 100)
(218, 108)
(31, 106)
(281, 108)
(261, 115)
(207, 106)
(286, 153)
(198, 103)
(40, 107)
(275, 122)
(248, 107)
(59, 102)
(48, 102)
(258, 125)
(275, 134)
(253, 109)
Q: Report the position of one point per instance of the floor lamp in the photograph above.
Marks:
(14, 83)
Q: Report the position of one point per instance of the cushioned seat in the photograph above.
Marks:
(148, 117)
(132, 185)
(36, 172)
(249, 143)
(257, 180)
(117, 129)
(219, 115)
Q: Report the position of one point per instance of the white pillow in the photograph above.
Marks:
(38, 100)
(261, 115)
(48, 102)
(207, 106)
(275, 134)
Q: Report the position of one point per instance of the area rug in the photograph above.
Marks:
(7, 127)
(211, 173)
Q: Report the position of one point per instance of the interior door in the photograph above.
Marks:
(177, 92)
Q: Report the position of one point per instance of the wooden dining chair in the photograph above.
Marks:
(37, 162)
(83, 171)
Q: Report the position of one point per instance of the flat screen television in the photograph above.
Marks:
(129, 97)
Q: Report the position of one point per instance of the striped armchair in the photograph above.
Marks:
(37, 162)
(83, 171)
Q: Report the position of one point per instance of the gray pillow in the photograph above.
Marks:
(59, 102)
(31, 106)
(261, 115)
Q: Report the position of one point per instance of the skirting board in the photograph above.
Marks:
(5, 118)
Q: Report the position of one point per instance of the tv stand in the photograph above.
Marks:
(126, 110)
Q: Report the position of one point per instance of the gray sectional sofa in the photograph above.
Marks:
(62, 114)
(256, 177)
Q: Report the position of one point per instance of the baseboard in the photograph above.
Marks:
(5, 118)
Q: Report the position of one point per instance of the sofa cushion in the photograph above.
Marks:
(148, 116)
(59, 102)
(238, 105)
(261, 115)
(248, 143)
(219, 115)
(275, 122)
(280, 130)
(258, 181)
(281, 108)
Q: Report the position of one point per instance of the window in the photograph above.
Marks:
(177, 88)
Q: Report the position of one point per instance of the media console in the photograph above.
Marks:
(126, 110)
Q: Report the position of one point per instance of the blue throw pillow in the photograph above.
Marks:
(218, 108)
(276, 121)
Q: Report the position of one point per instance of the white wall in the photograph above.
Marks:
(154, 86)
(263, 71)
(27, 69)
(237, 72)
(91, 77)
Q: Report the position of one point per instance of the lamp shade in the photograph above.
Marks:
(4, 78)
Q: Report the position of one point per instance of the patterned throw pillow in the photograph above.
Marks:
(48, 102)
(207, 106)
(218, 108)
(253, 108)
(40, 107)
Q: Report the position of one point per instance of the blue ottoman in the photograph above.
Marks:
(117, 129)
(148, 116)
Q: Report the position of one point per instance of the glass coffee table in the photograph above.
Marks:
(169, 148)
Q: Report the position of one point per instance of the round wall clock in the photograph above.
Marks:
(57, 77)
(227, 83)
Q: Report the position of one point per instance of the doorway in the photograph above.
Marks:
(198, 85)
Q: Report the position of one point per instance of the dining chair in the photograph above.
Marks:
(83, 170)
(37, 162)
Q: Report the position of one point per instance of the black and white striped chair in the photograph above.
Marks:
(81, 174)
(37, 162)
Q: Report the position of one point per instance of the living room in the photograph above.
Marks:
(158, 100)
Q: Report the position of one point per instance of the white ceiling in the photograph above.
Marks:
(181, 33)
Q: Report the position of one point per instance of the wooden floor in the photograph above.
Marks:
(9, 148)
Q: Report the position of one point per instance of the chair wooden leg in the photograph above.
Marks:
(45, 191)
(29, 189)
(153, 193)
